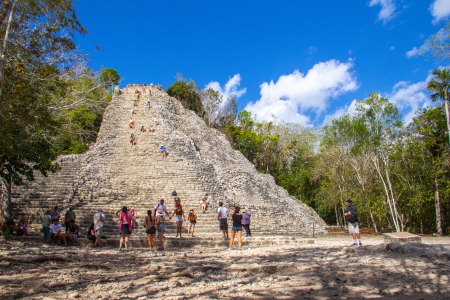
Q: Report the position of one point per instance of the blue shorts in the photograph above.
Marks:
(239, 228)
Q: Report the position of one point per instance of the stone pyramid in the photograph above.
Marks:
(200, 162)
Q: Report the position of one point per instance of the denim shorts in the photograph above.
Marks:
(239, 228)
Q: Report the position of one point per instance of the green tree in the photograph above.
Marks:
(188, 94)
(439, 86)
(109, 78)
(428, 133)
(438, 44)
(36, 60)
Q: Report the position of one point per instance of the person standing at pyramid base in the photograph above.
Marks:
(222, 216)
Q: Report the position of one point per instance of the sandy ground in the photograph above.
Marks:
(328, 269)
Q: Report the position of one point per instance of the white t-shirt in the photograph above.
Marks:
(223, 212)
(162, 207)
(98, 220)
(55, 228)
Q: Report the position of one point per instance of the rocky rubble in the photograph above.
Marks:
(320, 271)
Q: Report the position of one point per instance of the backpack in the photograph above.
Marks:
(191, 217)
(353, 217)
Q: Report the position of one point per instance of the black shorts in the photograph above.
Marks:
(151, 230)
(223, 224)
(125, 229)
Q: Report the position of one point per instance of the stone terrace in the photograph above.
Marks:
(200, 162)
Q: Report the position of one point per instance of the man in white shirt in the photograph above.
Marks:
(55, 231)
(99, 220)
(222, 215)
(161, 206)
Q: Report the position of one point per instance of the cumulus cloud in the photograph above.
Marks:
(409, 98)
(347, 110)
(387, 11)
(292, 95)
(231, 88)
(440, 9)
(413, 52)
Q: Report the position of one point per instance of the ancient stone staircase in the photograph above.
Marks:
(200, 162)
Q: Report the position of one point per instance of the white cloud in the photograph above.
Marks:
(409, 98)
(387, 11)
(230, 88)
(413, 52)
(347, 110)
(291, 95)
(440, 9)
(392, 47)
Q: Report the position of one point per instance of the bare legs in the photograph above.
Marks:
(179, 226)
(161, 240)
(151, 239)
(62, 237)
(239, 234)
(191, 229)
(124, 241)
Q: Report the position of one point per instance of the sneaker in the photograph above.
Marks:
(230, 249)
(360, 244)
(354, 244)
(45, 245)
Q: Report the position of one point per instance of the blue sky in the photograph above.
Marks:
(300, 61)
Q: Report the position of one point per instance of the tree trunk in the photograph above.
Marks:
(373, 222)
(447, 114)
(438, 207)
(386, 190)
(3, 51)
(6, 196)
(391, 191)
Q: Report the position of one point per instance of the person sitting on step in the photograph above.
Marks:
(72, 235)
(22, 227)
(9, 227)
(131, 123)
(151, 129)
(143, 129)
(56, 232)
(91, 233)
(203, 204)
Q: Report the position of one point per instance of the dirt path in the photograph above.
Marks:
(326, 270)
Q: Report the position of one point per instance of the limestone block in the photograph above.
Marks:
(401, 237)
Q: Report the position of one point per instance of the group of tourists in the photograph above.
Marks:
(53, 229)
(240, 221)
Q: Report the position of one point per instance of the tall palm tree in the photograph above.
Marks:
(439, 86)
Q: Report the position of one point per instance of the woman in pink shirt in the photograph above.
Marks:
(125, 227)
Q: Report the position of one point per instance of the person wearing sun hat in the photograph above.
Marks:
(192, 218)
